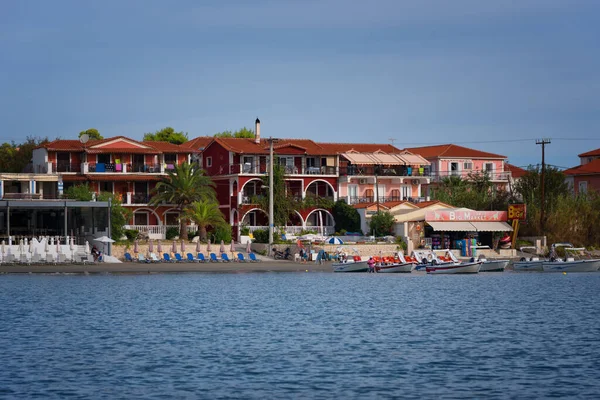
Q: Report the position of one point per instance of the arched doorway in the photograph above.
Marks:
(322, 220)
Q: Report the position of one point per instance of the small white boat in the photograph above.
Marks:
(531, 263)
(355, 264)
(576, 260)
(492, 264)
(471, 267)
(403, 265)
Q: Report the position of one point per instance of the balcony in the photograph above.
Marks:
(372, 170)
(384, 199)
(467, 175)
(143, 168)
(257, 169)
(109, 168)
(140, 198)
(66, 167)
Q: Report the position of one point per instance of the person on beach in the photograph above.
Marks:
(371, 264)
(303, 256)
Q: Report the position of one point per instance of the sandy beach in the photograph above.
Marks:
(146, 268)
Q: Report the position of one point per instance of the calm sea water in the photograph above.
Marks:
(288, 335)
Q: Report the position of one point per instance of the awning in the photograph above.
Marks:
(379, 158)
(454, 226)
(360, 158)
(495, 226)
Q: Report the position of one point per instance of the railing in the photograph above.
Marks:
(466, 175)
(382, 199)
(249, 168)
(145, 168)
(158, 231)
(140, 198)
(294, 230)
(250, 199)
(66, 167)
(31, 196)
(371, 170)
(110, 168)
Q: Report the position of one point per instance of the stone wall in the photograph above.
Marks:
(120, 250)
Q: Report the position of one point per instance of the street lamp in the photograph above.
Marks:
(271, 216)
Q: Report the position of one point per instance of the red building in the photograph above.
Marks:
(585, 176)
(125, 167)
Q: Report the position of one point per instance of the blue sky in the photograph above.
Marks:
(484, 74)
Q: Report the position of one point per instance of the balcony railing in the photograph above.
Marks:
(144, 168)
(383, 199)
(466, 175)
(357, 170)
(295, 230)
(140, 198)
(110, 168)
(249, 168)
(66, 167)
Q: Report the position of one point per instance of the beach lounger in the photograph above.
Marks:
(225, 258)
(213, 257)
(191, 258)
(142, 258)
(154, 257)
(128, 257)
(240, 257)
(252, 257)
(168, 258)
(178, 257)
(201, 257)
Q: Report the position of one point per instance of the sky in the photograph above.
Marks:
(490, 75)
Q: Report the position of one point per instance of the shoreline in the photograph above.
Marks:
(147, 268)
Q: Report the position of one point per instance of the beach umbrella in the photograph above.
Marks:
(31, 247)
(150, 246)
(136, 248)
(334, 240)
(182, 247)
(208, 246)
(10, 241)
(174, 247)
(3, 247)
(104, 240)
(222, 248)
(232, 246)
(21, 246)
(159, 247)
(249, 247)
(198, 247)
(46, 245)
(58, 247)
(87, 247)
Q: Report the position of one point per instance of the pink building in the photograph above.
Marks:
(585, 176)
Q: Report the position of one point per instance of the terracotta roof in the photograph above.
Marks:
(335, 148)
(591, 153)
(74, 178)
(198, 143)
(591, 168)
(451, 151)
(248, 146)
(516, 172)
(147, 147)
(425, 204)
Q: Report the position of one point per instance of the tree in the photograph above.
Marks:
(184, 185)
(167, 134)
(476, 192)
(346, 217)
(240, 133)
(529, 188)
(382, 223)
(79, 192)
(92, 133)
(205, 213)
(283, 205)
(17, 157)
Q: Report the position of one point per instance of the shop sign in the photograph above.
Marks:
(466, 215)
(517, 211)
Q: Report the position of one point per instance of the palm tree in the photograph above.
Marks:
(185, 184)
(205, 213)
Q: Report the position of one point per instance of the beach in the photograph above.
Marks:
(145, 268)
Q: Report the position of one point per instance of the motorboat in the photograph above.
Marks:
(398, 264)
(531, 263)
(354, 264)
(446, 264)
(576, 259)
(492, 264)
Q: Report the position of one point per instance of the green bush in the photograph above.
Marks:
(261, 236)
(172, 232)
(245, 231)
(131, 234)
(221, 232)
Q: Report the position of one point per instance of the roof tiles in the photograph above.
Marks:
(591, 168)
(451, 151)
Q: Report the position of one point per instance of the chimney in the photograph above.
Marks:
(257, 131)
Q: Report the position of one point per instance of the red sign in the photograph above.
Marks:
(462, 215)
(517, 211)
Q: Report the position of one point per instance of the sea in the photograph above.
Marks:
(300, 336)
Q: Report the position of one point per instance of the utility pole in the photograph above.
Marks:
(271, 217)
(543, 142)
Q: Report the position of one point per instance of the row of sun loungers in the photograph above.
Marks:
(189, 258)
(48, 258)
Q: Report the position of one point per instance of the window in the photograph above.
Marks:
(488, 167)
(395, 194)
(406, 191)
(140, 218)
(369, 194)
(583, 187)
(209, 161)
(468, 165)
(311, 162)
(103, 158)
(352, 191)
(106, 187)
(454, 168)
(171, 159)
(172, 219)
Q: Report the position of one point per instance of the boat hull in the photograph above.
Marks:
(525, 266)
(463, 268)
(360, 266)
(571, 266)
(396, 268)
(493, 266)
